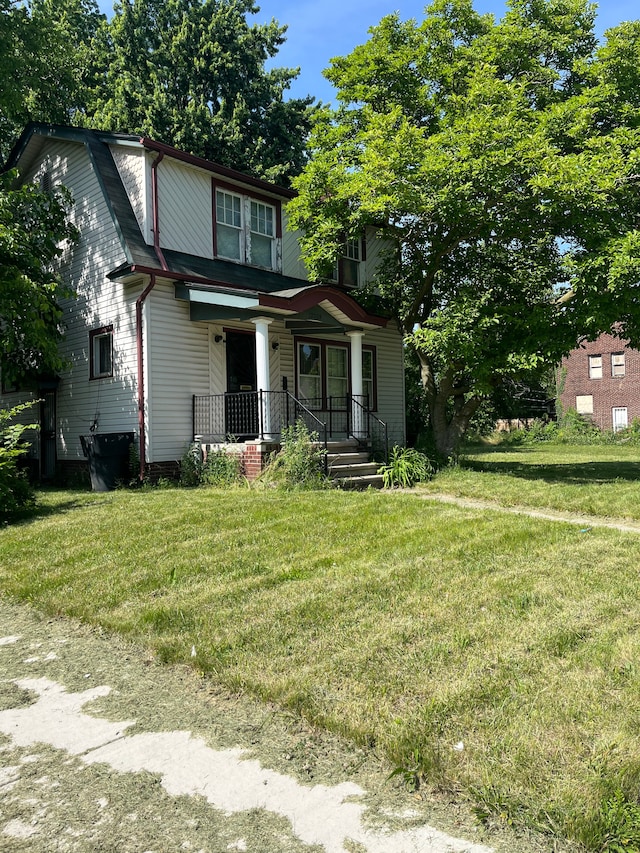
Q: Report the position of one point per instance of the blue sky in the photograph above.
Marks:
(321, 29)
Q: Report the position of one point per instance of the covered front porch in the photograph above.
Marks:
(328, 381)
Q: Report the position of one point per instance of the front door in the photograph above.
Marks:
(47, 435)
(241, 401)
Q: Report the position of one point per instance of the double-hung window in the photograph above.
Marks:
(246, 229)
(595, 367)
(229, 226)
(346, 270)
(101, 353)
(617, 364)
(324, 374)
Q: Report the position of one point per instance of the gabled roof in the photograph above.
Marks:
(197, 275)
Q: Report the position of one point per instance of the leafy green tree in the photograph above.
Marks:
(34, 230)
(192, 73)
(44, 51)
(500, 159)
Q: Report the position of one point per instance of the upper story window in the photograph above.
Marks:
(595, 367)
(347, 268)
(246, 229)
(617, 364)
(101, 352)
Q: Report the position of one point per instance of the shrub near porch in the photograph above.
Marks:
(491, 654)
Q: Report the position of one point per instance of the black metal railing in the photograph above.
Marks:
(264, 414)
(364, 426)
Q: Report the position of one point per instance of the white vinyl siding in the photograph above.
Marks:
(292, 263)
(178, 368)
(111, 402)
(184, 208)
(132, 168)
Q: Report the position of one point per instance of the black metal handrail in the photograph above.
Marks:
(321, 426)
(367, 415)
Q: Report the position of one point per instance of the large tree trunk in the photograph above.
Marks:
(450, 409)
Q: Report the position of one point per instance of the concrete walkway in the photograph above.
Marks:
(584, 521)
(104, 749)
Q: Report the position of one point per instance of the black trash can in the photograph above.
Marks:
(108, 455)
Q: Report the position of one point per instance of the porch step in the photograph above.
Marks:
(361, 482)
(348, 465)
(347, 468)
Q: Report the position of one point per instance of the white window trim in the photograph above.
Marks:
(619, 363)
(245, 228)
(595, 370)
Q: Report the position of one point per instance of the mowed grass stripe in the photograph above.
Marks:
(399, 622)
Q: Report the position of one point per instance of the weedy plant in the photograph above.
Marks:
(299, 464)
(406, 467)
(221, 469)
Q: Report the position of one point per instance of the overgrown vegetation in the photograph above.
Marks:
(217, 468)
(492, 654)
(406, 466)
(299, 464)
(571, 428)
(16, 493)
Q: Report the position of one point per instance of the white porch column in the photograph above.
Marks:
(357, 412)
(262, 372)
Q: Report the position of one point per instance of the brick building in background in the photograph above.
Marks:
(601, 380)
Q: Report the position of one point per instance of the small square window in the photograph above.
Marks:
(101, 349)
(617, 364)
(595, 367)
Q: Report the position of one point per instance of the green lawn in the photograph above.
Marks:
(405, 624)
(599, 480)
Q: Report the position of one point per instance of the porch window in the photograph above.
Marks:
(368, 384)
(101, 352)
(337, 373)
(310, 374)
(324, 370)
(246, 229)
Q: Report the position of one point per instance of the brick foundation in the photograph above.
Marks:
(253, 454)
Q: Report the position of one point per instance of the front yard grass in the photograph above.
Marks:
(493, 655)
(601, 480)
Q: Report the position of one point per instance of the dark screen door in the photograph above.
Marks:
(241, 403)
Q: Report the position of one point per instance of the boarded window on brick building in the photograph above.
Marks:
(595, 367)
(584, 404)
(617, 364)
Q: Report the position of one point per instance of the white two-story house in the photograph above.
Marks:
(193, 317)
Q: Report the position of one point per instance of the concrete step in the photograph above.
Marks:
(360, 482)
(347, 457)
(353, 469)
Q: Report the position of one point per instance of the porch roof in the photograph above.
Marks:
(318, 309)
